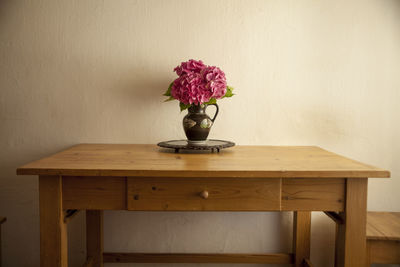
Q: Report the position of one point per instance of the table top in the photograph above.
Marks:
(239, 161)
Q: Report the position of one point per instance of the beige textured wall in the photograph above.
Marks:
(321, 73)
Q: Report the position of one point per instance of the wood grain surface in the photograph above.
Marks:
(313, 194)
(301, 237)
(351, 241)
(197, 258)
(94, 237)
(383, 226)
(185, 194)
(2, 220)
(94, 193)
(239, 161)
(203, 194)
(383, 251)
(53, 229)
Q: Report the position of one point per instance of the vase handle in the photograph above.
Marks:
(216, 112)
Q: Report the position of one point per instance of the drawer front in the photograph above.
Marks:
(203, 194)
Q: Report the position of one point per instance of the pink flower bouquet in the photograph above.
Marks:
(198, 84)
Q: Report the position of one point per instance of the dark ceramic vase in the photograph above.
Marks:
(197, 123)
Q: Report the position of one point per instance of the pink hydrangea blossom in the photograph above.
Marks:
(198, 83)
(215, 81)
(189, 67)
(190, 89)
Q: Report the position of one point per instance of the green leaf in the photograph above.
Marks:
(168, 92)
(183, 106)
(229, 92)
(169, 99)
(212, 101)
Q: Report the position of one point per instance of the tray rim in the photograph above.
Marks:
(225, 144)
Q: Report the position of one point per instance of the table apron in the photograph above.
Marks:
(184, 194)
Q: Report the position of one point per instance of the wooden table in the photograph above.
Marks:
(97, 177)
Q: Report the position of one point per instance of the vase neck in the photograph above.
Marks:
(197, 108)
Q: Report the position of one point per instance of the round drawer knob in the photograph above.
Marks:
(204, 194)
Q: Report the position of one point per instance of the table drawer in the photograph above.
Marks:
(201, 194)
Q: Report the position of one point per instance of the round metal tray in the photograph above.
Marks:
(210, 144)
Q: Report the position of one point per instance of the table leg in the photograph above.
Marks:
(94, 237)
(53, 230)
(301, 236)
(351, 236)
(2, 220)
(368, 254)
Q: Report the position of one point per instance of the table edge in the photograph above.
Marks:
(233, 174)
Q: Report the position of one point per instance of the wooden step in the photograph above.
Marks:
(383, 237)
(383, 225)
